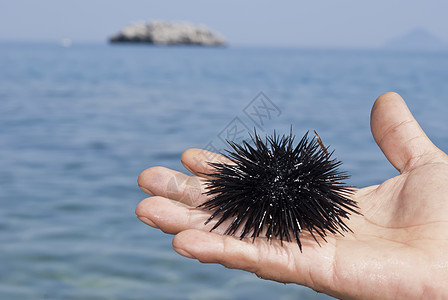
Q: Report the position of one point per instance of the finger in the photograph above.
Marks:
(398, 134)
(160, 181)
(197, 161)
(267, 259)
(171, 216)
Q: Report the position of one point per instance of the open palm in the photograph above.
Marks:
(399, 248)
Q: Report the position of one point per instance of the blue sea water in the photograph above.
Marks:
(78, 124)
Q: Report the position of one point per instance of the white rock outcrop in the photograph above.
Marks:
(166, 33)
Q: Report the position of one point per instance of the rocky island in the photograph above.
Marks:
(167, 33)
(418, 39)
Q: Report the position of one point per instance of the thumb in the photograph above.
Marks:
(398, 134)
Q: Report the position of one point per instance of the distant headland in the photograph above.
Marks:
(417, 39)
(168, 33)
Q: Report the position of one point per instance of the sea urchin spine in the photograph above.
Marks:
(277, 190)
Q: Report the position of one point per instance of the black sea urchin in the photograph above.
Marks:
(276, 189)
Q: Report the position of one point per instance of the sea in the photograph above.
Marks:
(78, 124)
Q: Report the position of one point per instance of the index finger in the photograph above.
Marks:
(197, 161)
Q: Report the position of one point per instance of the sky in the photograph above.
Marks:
(320, 23)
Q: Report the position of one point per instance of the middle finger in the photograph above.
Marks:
(161, 181)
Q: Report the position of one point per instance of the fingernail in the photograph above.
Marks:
(147, 191)
(188, 168)
(147, 222)
(184, 253)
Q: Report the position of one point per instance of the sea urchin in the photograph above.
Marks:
(275, 189)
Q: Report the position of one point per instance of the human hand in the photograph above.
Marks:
(398, 248)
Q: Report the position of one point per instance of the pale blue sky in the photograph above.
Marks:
(321, 23)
